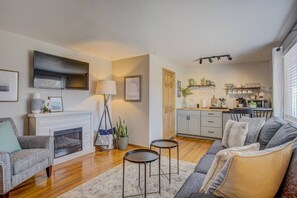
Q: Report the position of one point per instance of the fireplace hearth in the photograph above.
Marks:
(67, 142)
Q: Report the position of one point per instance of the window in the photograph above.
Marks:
(290, 84)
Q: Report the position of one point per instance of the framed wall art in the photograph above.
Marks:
(56, 104)
(9, 86)
(133, 88)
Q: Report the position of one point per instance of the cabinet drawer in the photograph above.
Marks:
(211, 113)
(211, 132)
(188, 112)
(211, 121)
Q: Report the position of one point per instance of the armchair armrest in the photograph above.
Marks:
(32, 142)
(5, 172)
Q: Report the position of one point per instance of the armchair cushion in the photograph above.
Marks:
(8, 139)
(26, 158)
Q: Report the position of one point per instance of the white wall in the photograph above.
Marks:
(221, 74)
(16, 54)
(155, 103)
(135, 114)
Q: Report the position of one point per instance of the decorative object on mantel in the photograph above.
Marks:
(210, 58)
(47, 107)
(9, 86)
(106, 138)
(185, 92)
(133, 88)
(121, 132)
(36, 103)
(56, 104)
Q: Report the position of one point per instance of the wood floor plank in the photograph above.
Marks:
(70, 174)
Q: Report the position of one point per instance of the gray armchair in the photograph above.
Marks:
(36, 154)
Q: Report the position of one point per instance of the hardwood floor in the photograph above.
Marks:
(70, 174)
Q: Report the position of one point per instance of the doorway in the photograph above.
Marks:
(169, 92)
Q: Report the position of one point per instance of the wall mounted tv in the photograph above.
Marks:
(54, 72)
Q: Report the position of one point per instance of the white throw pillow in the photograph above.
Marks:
(219, 161)
(234, 134)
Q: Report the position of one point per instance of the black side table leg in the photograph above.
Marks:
(159, 174)
(139, 175)
(123, 186)
(169, 166)
(144, 180)
(177, 159)
(150, 171)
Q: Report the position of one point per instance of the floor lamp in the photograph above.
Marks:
(106, 88)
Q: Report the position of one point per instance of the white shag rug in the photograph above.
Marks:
(109, 184)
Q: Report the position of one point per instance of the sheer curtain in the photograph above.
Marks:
(278, 82)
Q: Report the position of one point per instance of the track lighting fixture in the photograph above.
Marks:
(210, 58)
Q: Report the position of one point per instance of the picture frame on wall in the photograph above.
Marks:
(132, 88)
(178, 85)
(56, 103)
(9, 86)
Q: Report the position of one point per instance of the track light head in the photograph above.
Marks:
(230, 58)
(219, 58)
(210, 60)
(278, 49)
(200, 61)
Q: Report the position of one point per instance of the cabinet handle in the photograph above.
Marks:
(210, 131)
(188, 117)
(210, 121)
(210, 114)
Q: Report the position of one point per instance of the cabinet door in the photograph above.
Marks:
(194, 125)
(182, 123)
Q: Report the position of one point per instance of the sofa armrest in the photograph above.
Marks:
(202, 195)
(5, 172)
(32, 142)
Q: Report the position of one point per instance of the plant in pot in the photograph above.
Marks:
(121, 132)
(241, 102)
(185, 92)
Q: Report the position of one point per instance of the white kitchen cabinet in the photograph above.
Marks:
(212, 124)
(188, 122)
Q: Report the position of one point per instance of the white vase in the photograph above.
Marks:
(184, 103)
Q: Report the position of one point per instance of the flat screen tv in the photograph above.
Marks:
(54, 72)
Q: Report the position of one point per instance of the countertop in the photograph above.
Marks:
(220, 110)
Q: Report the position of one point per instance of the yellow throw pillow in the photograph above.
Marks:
(253, 174)
(219, 161)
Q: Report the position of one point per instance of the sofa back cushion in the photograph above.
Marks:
(234, 134)
(8, 139)
(271, 126)
(285, 134)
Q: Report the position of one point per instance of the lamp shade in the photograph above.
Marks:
(106, 87)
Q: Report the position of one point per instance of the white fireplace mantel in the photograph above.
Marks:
(48, 123)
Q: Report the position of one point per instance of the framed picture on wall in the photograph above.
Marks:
(133, 88)
(9, 86)
(56, 103)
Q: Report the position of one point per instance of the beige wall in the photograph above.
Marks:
(135, 114)
(221, 74)
(16, 54)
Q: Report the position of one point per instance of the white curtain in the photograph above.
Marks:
(278, 91)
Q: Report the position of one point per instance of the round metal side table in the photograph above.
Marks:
(141, 156)
(166, 144)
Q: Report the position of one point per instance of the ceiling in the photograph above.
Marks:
(179, 31)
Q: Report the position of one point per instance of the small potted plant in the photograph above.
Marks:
(185, 92)
(241, 102)
(253, 104)
(121, 132)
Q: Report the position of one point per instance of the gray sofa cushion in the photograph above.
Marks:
(204, 164)
(215, 147)
(254, 127)
(192, 185)
(285, 134)
(26, 158)
(269, 129)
